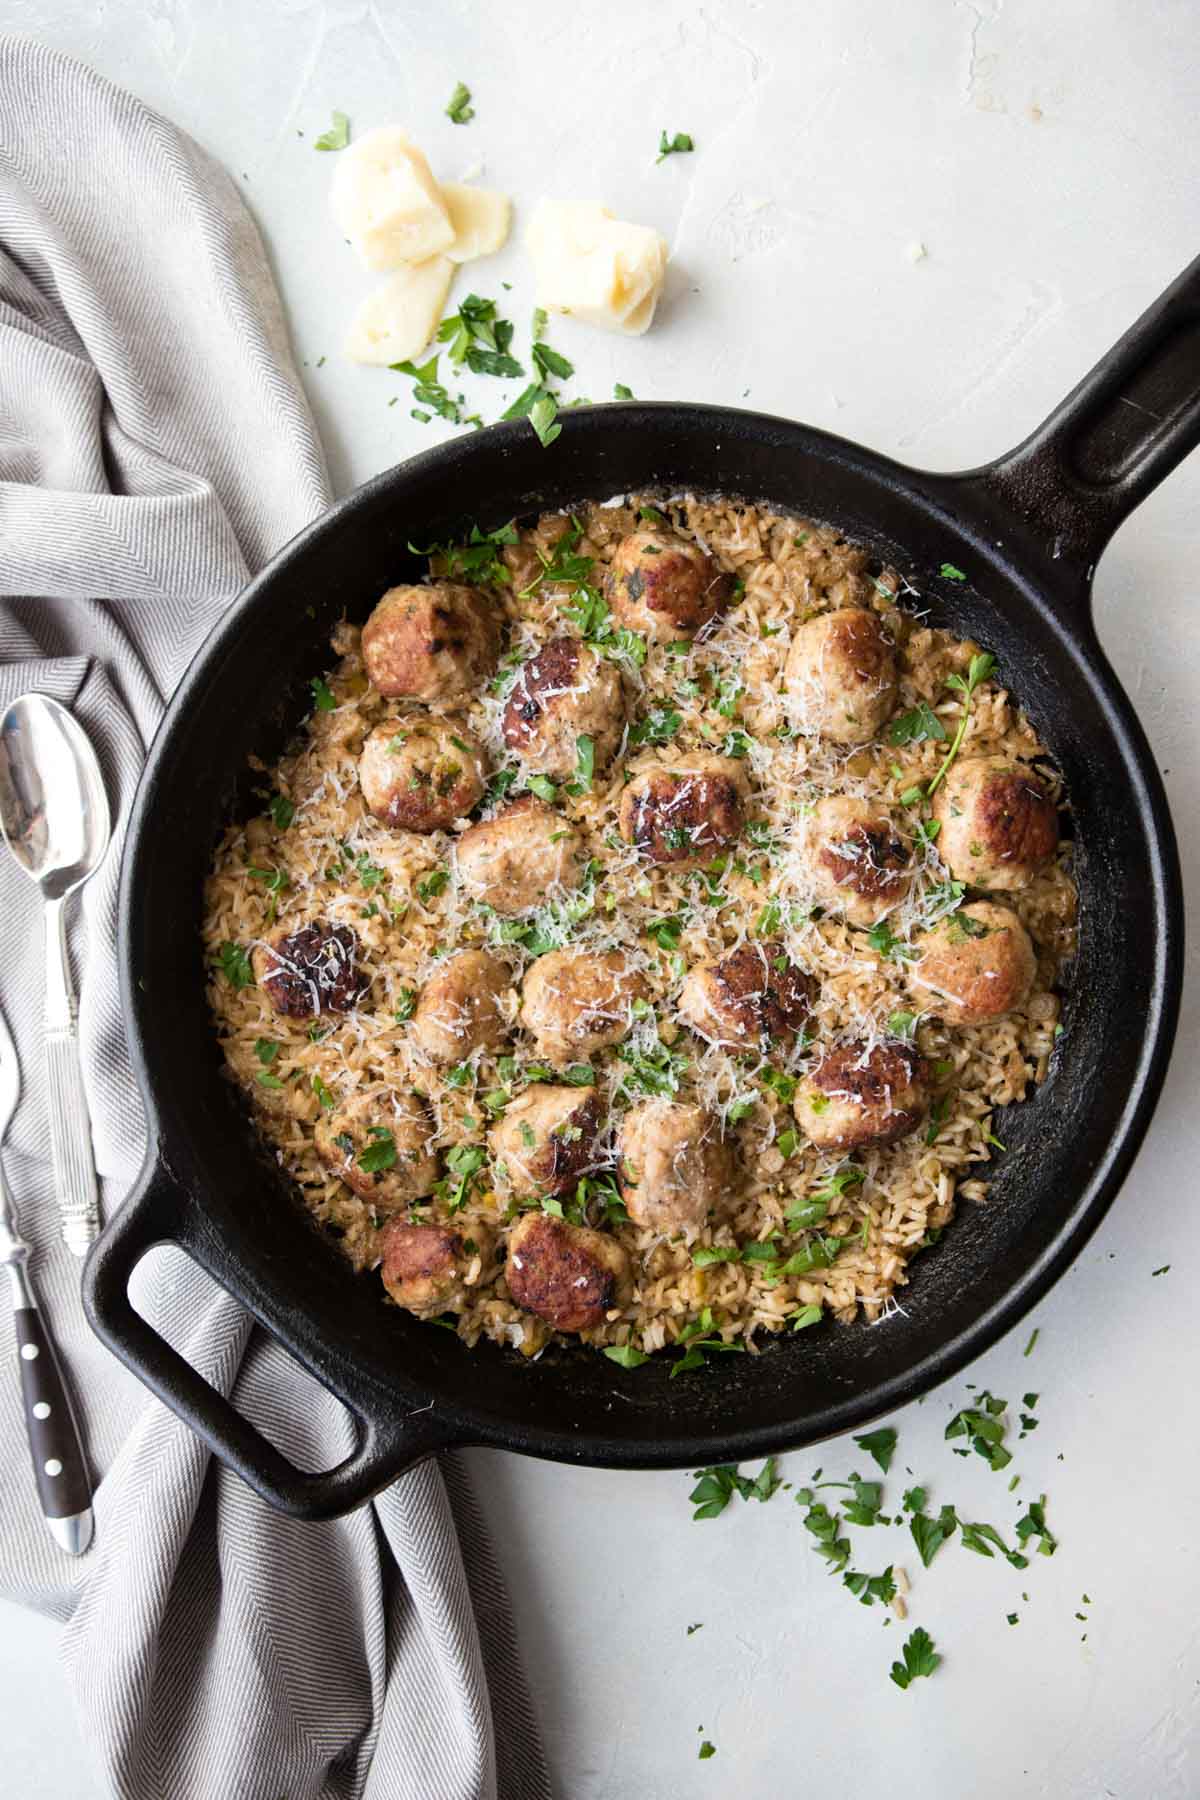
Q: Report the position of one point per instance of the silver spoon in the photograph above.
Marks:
(59, 1465)
(54, 818)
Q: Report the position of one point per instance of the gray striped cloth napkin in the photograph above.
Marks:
(155, 448)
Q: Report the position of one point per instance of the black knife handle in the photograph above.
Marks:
(59, 1467)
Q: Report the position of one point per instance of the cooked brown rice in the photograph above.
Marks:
(335, 861)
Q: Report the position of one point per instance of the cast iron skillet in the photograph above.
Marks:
(1028, 530)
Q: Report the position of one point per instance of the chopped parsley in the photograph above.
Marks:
(478, 559)
(920, 1658)
(981, 666)
(885, 943)
(930, 1534)
(585, 764)
(406, 1004)
(902, 1025)
(549, 362)
(917, 726)
(628, 1356)
(282, 812)
(1033, 1525)
(948, 572)
(621, 392)
(678, 145)
(429, 392)
(380, 1154)
(464, 1162)
(322, 695)
(432, 884)
(324, 1095)
(338, 135)
(881, 1445)
(460, 111)
(236, 966)
(984, 1428)
(479, 338)
(655, 1072)
(699, 1337)
(542, 415)
(658, 727)
(716, 1487)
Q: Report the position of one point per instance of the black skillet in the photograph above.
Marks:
(1027, 530)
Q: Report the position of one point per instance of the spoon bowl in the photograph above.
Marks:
(53, 808)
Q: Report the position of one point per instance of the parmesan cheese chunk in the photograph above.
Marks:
(386, 201)
(480, 217)
(596, 267)
(397, 320)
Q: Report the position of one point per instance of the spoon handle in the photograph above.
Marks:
(70, 1127)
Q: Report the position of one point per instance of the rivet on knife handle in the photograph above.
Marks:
(59, 1467)
(70, 1127)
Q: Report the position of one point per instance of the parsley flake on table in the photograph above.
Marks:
(879, 1444)
(707, 1750)
(460, 111)
(338, 135)
(679, 145)
(716, 1487)
(920, 1658)
(984, 1427)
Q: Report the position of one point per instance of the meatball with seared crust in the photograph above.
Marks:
(664, 585)
(568, 1275)
(392, 1132)
(564, 693)
(675, 1168)
(753, 998)
(575, 1002)
(311, 970)
(420, 774)
(999, 825)
(858, 1096)
(461, 1008)
(858, 862)
(435, 643)
(976, 964)
(520, 858)
(841, 675)
(546, 1139)
(429, 1269)
(685, 812)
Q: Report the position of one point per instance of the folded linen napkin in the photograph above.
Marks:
(155, 449)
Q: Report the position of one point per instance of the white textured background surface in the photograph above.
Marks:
(1045, 153)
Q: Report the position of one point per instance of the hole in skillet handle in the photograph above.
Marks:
(158, 1212)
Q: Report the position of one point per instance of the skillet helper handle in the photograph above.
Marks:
(387, 1444)
(1115, 437)
(70, 1126)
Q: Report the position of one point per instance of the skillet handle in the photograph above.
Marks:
(158, 1212)
(1114, 438)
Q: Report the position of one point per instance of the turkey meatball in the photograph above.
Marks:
(574, 1002)
(564, 693)
(311, 970)
(999, 825)
(685, 813)
(841, 675)
(858, 1096)
(751, 999)
(546, 1139)
(428, 1269)
(568, 1275)
(665, 586)
(462, 1007)
(516, 860)
(389, 1125)
(975, 965)
(859, 863)
(419, 775)
(675, 1167)
(434, 643)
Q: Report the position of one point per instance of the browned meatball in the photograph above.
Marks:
(564, 693)
(568, 1275)
(675, 1168)
(461, 1008)
(665, 586)
(420, 775)
(975, 965)
(859, 863)
(546, 1139)
(520, 858)
(999, 825)
(754, 997)
(380, 1125)
(857, 1096)
(841, 675)
(685, 813)
(428, 1269)
(434, 643)
(310, 971)
(575, 1002)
